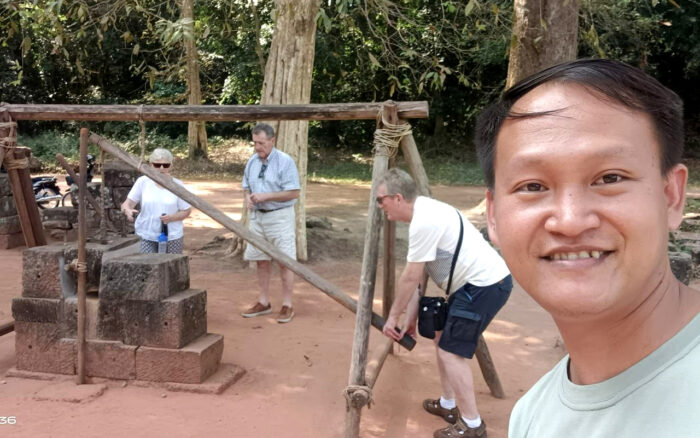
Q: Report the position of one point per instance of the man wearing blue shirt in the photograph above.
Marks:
(271, 187)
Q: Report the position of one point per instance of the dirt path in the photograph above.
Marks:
(295, 372)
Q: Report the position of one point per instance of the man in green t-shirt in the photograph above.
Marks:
(582, 163)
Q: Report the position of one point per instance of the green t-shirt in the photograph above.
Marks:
(658, 396)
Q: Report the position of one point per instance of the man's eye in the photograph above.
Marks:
(531, 187)
(609, 178)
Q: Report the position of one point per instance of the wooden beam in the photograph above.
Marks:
(211, 113)
(7, 327)
(376, 362)
(358, 361)
(82, 255)
(207, 208)
(488, 369)
(415, 164)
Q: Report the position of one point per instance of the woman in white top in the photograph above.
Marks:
(158, 206)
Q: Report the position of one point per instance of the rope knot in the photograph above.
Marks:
(388, 137)
(358, 396)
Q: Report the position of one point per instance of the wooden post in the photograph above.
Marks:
(376, 362)
(358, 361)
(82, 259)
(207, 208)
(488, 369)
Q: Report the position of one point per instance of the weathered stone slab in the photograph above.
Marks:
(172, 323)
(118, 174)
(115, 196)
(686, 237)
(681, 265)
(36, 309)
(191, 364)
(5, 188)
(695, 254)
(7, 206)
(9, 241)
(69, 317)
(144, 277)
(42, 272)
(57, 225)
(10, 225)
(109, 359)
(69, 214)
(110, 320)
(39, 347)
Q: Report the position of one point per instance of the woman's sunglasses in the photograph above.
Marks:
(159, 165)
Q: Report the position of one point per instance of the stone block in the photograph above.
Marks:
(117, 174)
(43, 273)
(144, 277)
(681, 265)
(57, 225)
(69, 317)
(36, 309)
(69, 214)
(10, 225)
(190, 364)
(39, 347)
(171, 323)
(5, 188)
(95, 254)
(109, 359)
(7, 206)
(695, 254)
(115, 196)
(110, 320)
(9, 241)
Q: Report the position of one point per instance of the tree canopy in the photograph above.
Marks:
(452, 53)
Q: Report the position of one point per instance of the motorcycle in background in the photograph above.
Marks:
(48, 195)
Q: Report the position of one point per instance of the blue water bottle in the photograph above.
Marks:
(163, 239)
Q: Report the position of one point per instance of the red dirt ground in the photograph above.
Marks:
(296, 372)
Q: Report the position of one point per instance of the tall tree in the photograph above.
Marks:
(545, 33)
(196, 132)
(288, 74)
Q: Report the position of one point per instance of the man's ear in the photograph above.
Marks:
(400, 198)
(674, 189)
(490, 218)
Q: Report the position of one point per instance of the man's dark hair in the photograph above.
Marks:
(614, 80)
(264, 127)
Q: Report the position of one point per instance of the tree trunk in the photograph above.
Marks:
(545, 33)
(196, 132)
(288, 81)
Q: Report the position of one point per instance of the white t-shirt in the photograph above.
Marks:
(432, 238)
(156, 201)
(659, 396)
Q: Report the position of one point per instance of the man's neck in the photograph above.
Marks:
(600, 350)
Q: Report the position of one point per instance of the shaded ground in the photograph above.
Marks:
(295, 372)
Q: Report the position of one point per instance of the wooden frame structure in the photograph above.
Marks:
(363, 372)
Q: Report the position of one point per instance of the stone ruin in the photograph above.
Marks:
(143, 321)
(62, 222)
(10, 228)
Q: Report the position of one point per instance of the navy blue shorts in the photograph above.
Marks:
(471, 309)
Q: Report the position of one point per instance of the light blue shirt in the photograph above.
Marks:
(280, 175)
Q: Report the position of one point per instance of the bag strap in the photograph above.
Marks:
(454, 258)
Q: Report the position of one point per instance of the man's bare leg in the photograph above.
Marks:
(263, 268)
(287, 277)
(460, 379)
(447, 391)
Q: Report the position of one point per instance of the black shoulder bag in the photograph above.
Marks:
(432, 311)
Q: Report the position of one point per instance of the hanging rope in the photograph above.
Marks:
(358, 396)
(388, 137)
(142, 134)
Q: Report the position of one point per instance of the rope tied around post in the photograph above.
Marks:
(9, 143)
(358, 396)
(388, 137)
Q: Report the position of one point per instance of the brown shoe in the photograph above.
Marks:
(257, 310)
(286, 314)
(434, 407)
(461, 430)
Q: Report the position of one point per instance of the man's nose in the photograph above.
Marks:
(573, 212)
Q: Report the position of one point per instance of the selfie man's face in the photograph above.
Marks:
(580, 208)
